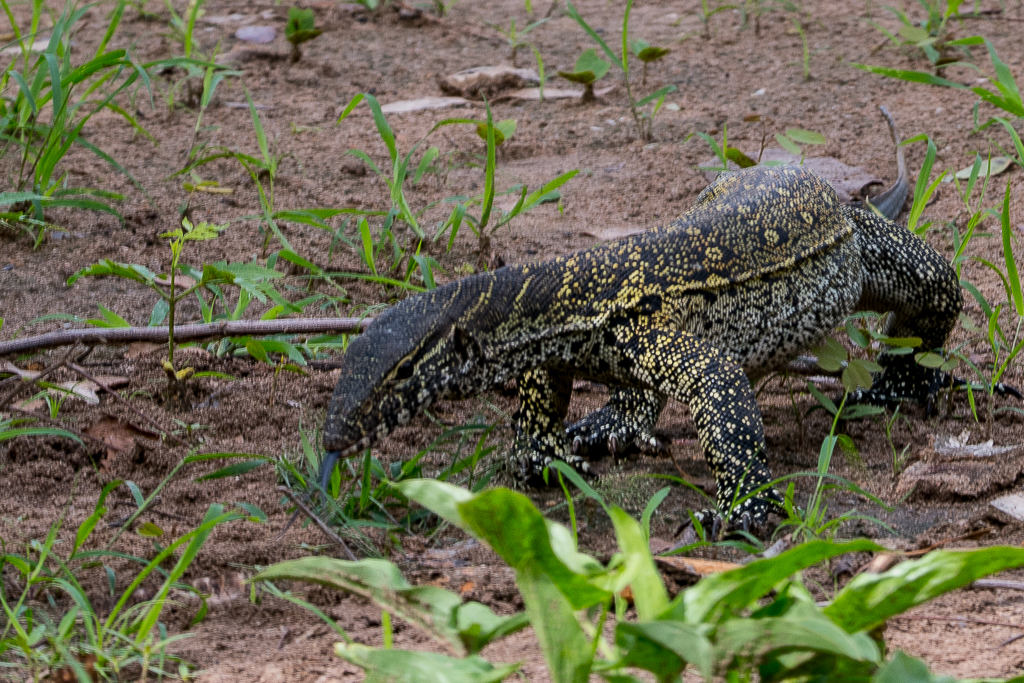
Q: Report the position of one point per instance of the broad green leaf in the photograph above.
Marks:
(788, 144)
(805, 137)
(649, 595)
(439, 497)
(870, 599)
(566, 648)
(739, 158)
(717, 595)
(503, 130)
(665, 647)
(903, 668)
(516, 530)
(589, 61)
(466, 627)
(801, 628)
(856, 376)
(405, 666)
(652, 53)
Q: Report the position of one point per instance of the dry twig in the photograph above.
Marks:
(204, 331)
(328, 531)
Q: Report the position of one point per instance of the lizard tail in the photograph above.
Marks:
(890, 202)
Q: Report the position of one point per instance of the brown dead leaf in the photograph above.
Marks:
(466, 587)
(849, 182)
(67, 674)
(615, 233)
(140, 349)
(117, 435)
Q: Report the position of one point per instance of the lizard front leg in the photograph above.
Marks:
(729, 428)
(544, 395)
(625, 424)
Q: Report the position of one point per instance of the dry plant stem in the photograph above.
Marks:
(45, 373)
(934, 546)
(87, 375)
(316, 520)
(999, 583)
(197, 332)
(930, 617)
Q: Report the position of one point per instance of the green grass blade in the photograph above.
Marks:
(383, 129)
(1011, 262)
(911, 76)
(485, 211)
(571, 11)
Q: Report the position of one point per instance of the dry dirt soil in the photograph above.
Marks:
(625, 186)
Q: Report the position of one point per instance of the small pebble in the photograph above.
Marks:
(256, 34)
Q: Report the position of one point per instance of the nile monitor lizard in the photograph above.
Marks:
(765, 264)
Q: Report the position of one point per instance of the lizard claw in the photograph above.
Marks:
(613, 446)
(577, 443)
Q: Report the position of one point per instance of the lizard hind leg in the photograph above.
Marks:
(544, 395)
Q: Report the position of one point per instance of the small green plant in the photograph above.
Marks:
(1007, 96)
(705, 13)
(169, 297)
(759, 620)
(493, 133)
(793, 138)
(644, 120)
(11, 429)
(440, 7)
(45, 105)
(542, 78)
(647, 54)
(301, 27)
(588, 70)
(201, 74)
(1004, 346)
(514, 36)
(931, 35)
(68, 632)
(481, 223)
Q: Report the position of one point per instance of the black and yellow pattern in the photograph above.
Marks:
(766, 263)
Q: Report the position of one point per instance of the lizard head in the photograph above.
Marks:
(411, 354)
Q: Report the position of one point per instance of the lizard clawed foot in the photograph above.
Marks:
(596, 439)
(529, 459)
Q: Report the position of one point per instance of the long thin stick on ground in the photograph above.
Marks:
(932, 617)
(182, 333)
(316, 520)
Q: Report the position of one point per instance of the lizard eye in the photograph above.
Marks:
(404, 370)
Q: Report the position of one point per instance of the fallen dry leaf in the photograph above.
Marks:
(118, 435)
(697, 566)
(423, 104)
(849, 182)
(140, 349)
(553, 93)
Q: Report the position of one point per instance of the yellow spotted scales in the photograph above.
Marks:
(765, 264)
